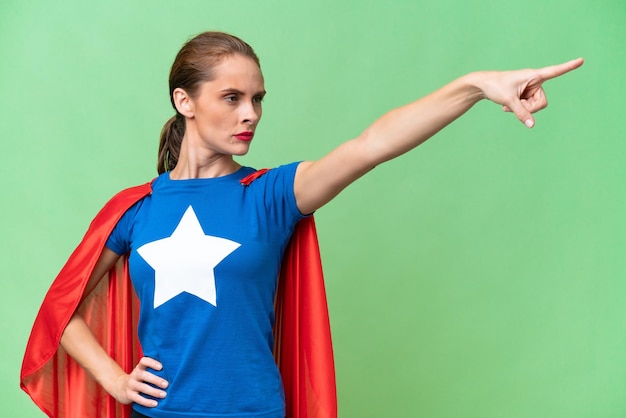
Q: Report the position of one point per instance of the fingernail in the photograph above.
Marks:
(529, 123)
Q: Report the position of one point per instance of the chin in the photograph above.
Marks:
(241, 153)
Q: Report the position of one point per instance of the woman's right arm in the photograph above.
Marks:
(80, 343)
(406, 127)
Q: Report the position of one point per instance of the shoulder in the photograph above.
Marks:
(286, 171)
(135, 192)
(131, 195)
(123, 200)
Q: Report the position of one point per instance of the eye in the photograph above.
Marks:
(258, 99)
(231, 98)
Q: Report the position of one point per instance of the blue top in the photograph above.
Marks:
(204, 260)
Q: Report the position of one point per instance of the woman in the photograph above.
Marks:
(205, 252)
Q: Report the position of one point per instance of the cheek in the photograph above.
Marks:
(215, 120)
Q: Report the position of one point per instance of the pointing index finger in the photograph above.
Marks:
(553, 71)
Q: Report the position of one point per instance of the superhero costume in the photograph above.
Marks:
(204, 258)
(60, 387)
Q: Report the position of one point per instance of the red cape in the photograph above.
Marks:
(61, 388)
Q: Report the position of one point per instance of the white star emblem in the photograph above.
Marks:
(184, 262)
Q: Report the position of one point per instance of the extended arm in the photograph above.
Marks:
(80, 343)
(406, 127)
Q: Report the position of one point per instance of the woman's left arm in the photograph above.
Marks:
(406, 127)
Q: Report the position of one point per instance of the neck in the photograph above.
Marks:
(194, 164)
(211, 170)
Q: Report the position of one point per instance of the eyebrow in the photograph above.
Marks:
(233, 90)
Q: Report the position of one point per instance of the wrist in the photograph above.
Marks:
(473, 84)
(109, 377)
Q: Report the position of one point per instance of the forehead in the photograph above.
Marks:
(238, 71)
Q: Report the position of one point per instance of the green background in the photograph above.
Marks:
(481, 275)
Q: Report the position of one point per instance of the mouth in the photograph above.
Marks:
(244, 136)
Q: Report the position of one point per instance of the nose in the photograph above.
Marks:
(251, 113)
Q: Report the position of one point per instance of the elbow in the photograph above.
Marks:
(74, 326)
(374, 149)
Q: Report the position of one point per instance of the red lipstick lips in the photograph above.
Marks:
(245, 136)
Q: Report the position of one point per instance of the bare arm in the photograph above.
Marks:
(80, 343)
(406, 127)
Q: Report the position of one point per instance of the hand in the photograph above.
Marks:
(521, 91)
(131, 387)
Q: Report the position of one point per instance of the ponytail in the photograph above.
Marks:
(169, 145)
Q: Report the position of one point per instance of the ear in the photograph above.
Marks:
(183, 103)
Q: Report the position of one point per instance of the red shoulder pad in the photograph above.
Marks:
(251, 177)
